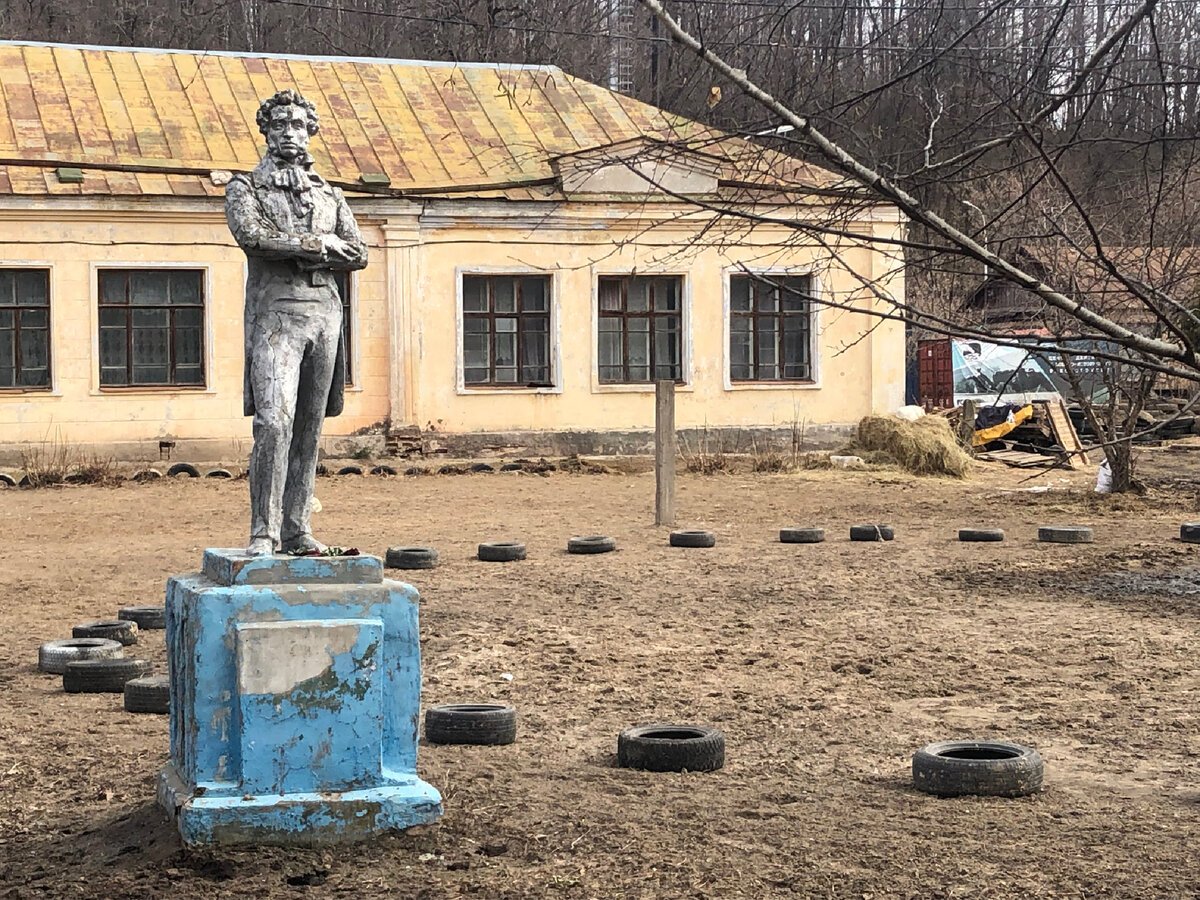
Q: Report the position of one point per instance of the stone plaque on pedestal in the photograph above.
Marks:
(295, 695)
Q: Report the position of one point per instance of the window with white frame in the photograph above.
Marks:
(770, 327)
(640, 328)
(151, 327)
(506, 330)
(342, 280)
(25, 329)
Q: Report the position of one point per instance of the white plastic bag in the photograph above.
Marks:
(1104, 479)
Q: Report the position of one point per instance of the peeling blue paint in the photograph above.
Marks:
(295, 695)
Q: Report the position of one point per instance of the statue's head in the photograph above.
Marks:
(287, 121)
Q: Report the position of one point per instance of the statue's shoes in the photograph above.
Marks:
(303, 543)
(260, 546)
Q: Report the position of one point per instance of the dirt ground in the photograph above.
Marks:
(825, 665)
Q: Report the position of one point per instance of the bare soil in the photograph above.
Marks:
(826, 666)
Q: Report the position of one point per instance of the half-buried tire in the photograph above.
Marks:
(53, 656)
(149, 694)
(147, 618)
(102, 676)
(1065, 534)
(801, 535)
(113, 629)
(471, 723)
(872, 532)
(592, 543)
(987, 768)
(410, 558)
(980, 535)
(662, 747)
(693, 538)
(501, 551)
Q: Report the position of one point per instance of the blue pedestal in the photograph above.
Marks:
(295, 696)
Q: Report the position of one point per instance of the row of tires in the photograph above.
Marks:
(107, 671)
(948, 768)
(103, 639)
(93, 661)
(944, 768)
(187, 470)
(511, 551)
(659, 747)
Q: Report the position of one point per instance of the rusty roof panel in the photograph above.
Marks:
(426, 125)
(89, 117)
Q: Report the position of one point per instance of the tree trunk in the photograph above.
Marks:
(1121, 463)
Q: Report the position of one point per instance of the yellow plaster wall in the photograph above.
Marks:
(77, 411)
(860, 371)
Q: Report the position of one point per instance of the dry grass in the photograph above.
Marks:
(49, 462)
(924, 447)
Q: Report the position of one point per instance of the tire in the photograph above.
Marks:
(980, 535)
(1189, 533)
(471, 723)
(147, 618)
(53, 656)
(183, 469)
(148, 694)
(987, 768)
(482, 467)
(872, 532)
(662, 747)
(219, 473)
(147, 475)
(416, 470)
(513, 467)
(350, 470)
(383, 470)
(594, 543)
(1065, 534)
(125, 632)
(801, 535)
(102, 676)
(501, 551)
(693, 538)
(410, 558)
(7, 480)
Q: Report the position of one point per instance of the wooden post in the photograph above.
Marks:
(966, 424)
(664, 453)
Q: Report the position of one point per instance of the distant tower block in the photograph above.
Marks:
(295, 694)
(620, 58)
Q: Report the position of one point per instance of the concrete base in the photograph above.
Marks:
(297, 819)
(295, 697)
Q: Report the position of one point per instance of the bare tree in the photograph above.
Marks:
(1059, 150)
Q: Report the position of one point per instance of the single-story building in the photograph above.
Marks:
(542, 250)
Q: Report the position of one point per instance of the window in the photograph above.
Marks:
(24, 328)
(640, 329)
(506, 330)
(151, 327)
(770, 328)
(342, 279)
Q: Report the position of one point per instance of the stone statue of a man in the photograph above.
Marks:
(296, 230)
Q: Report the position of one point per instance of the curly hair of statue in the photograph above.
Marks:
(286, 97)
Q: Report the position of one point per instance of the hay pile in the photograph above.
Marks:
(926, 446)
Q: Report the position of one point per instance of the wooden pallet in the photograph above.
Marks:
(1064, 432)
(1022, 460)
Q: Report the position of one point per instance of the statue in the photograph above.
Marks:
(296, 230)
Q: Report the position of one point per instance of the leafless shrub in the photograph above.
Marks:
(49, 461)
(708, 456)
